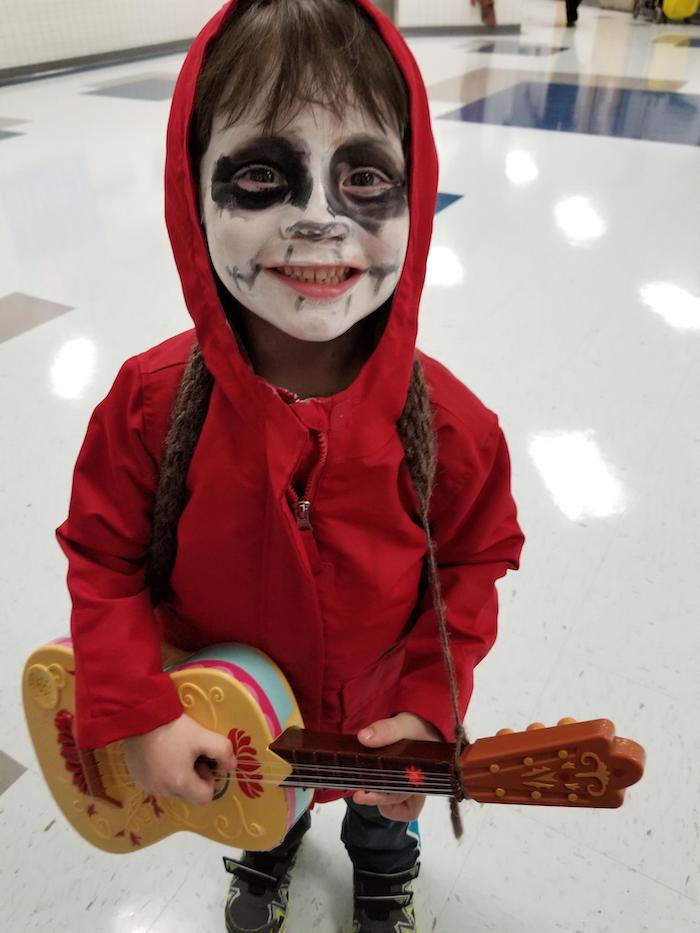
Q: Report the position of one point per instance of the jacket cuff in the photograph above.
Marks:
(137, 720)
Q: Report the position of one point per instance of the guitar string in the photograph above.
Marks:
(301, 780)
(302, 786)
(331, 769)
(313, 772)
(268, 777)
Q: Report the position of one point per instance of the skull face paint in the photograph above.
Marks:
(308, 227)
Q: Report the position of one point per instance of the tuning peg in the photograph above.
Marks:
(536, 725)
(505, 732)
(567, 721)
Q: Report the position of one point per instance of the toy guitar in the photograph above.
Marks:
(240, 693)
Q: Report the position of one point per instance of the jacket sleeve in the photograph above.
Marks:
(477, 537)
(121, 689)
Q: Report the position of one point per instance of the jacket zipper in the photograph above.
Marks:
(302, 505)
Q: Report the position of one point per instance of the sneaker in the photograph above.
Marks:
(259, 892)
(384, 903)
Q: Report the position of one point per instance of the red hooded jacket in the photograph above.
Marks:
(342, 609)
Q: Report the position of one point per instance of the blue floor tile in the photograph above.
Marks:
(444, 200)
(607, 111)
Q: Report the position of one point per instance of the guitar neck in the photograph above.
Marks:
(340, 762)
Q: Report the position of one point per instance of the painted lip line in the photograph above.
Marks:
(319, 291)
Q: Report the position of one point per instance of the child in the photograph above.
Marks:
(287, 505)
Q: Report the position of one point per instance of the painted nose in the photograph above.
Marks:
(316, 232)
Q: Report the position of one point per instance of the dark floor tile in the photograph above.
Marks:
(20, 313)
(144, 89)
(10, 770)
(510, 47)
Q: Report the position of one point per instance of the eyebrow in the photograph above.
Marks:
(253, 147)
(371, 142)
(258, 147)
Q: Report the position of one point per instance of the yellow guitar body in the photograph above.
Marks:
(230, 689)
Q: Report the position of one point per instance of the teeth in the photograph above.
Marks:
(332, 275)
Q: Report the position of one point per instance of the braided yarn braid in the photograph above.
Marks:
(186, 422)
(420, 448)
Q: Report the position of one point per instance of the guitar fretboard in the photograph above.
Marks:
(340, 762)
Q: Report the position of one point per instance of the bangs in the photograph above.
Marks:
(297, 52)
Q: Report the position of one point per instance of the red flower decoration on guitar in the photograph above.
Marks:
(155, 806)
(248, 771)
(63, 723)
(414, 776)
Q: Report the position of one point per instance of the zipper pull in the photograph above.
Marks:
(303, 515)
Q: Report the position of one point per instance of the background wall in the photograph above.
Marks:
(36, 31)
(453, 12)
(39, 31)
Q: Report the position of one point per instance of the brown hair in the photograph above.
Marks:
(325, 52)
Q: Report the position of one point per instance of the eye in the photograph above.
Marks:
(259, 178)
(366, 182)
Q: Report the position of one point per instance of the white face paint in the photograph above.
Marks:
(308, 227)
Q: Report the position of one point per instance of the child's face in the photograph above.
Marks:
(307, 228)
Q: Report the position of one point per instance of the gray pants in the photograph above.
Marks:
(372, 842)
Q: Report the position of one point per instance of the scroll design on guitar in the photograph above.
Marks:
(601, 774)
(583, 764)
(202, 703)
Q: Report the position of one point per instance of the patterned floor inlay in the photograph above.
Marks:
(513, 47)
(20, 313)
(483, 82)
(445, 200)
(679, 40)
(139, 87)
(10, 770)
(597, 111)
(7, 127)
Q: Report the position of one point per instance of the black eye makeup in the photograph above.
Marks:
(365, 181)
(261, 174)
(367, 184)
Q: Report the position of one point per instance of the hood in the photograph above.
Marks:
(379, 392)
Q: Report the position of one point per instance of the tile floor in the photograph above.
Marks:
(564, 288)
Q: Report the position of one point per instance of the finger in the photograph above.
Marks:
(199, 790)
(372, 799)
(382, 732)
(220, 749)
(404, 812)
(205, 772)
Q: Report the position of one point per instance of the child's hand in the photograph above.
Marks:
(164, 761)
(404, 807)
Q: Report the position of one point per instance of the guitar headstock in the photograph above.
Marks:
(579, 764)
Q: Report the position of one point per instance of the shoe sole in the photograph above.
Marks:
(281, 929)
